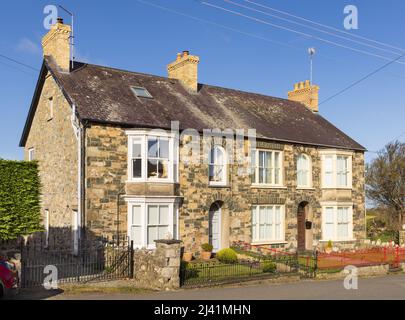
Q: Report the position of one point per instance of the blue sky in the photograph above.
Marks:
(136, 36)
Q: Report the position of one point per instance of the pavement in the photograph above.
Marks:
(391, 287)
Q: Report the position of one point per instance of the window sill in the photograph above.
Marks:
(149, 181)
(337, 188)
(305, 188)
(218, 185)
(260, 243)
(266, 186)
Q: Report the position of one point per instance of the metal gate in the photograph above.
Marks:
(93, 261)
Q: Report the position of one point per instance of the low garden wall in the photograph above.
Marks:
(160, 268)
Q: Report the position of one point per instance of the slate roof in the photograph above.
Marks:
(104, 95)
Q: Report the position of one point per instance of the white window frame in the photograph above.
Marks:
(143, 135)
(258, 241)
(256, 167)
(31, 154)
(144, 203)
(335, 206)
(334, 154)
(224, 180)
(308, 171)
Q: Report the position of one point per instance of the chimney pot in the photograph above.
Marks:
(59, 20)
(185, 53)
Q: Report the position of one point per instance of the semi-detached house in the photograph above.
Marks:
(105, 169)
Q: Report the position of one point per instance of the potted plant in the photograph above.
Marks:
(207, 251)
(329, 247)
(187, 256)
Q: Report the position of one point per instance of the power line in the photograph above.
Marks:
(16, 68)
(310, 27)
(362, 79)
(298, 32)
(18, 62)
(325, 26)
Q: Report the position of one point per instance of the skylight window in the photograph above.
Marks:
(141, 92)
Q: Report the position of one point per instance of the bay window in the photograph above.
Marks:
(151, 157)
(151, 219)
(336, 170)
(266, 167)
(268, 223)
(337, 222)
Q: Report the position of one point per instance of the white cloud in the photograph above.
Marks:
(28, 46)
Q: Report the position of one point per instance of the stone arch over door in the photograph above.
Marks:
(227, 206)
(305, 223)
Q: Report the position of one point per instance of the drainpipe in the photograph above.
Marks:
(80, 131)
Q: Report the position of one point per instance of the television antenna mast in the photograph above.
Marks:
(311, 52)
(72, 36)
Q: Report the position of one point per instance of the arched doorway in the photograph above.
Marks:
(215, 226)
(304, 226)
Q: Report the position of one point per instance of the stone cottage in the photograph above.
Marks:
(111, 162)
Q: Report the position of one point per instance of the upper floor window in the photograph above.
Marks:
(266, 167)
(31, 154)
(304, 171)
(151, 157)
(337, 223)
(50, 108)
(217, 166)
(268, 223)
(336, 170)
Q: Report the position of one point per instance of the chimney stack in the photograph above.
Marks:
(56, 44)
(185, 69)
(305, 93)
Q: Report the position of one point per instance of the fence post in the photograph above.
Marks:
(131, 260)
(385, 254)
(397, 257)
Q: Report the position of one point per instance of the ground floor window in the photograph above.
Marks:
(337, 222)
(151, 219)
(268, 223)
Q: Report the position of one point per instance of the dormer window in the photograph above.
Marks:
(141, 92)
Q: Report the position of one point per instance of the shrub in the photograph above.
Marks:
(207, 247)
(227, 256)
(329, 244)
(19, 199)
(269, 267)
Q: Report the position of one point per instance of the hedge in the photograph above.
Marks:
(19, 199)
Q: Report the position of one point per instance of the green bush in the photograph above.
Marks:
(269, 267)
(207, 247)
(19, 199)
(227, 256)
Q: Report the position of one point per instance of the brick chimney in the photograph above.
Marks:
(56, 44)
(305, 93)
(185, 69)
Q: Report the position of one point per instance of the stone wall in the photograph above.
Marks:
(238, 197)
(106, 173)
(160, 268)
(55, 147)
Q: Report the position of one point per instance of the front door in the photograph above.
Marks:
(301, 228)
(215, 227)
